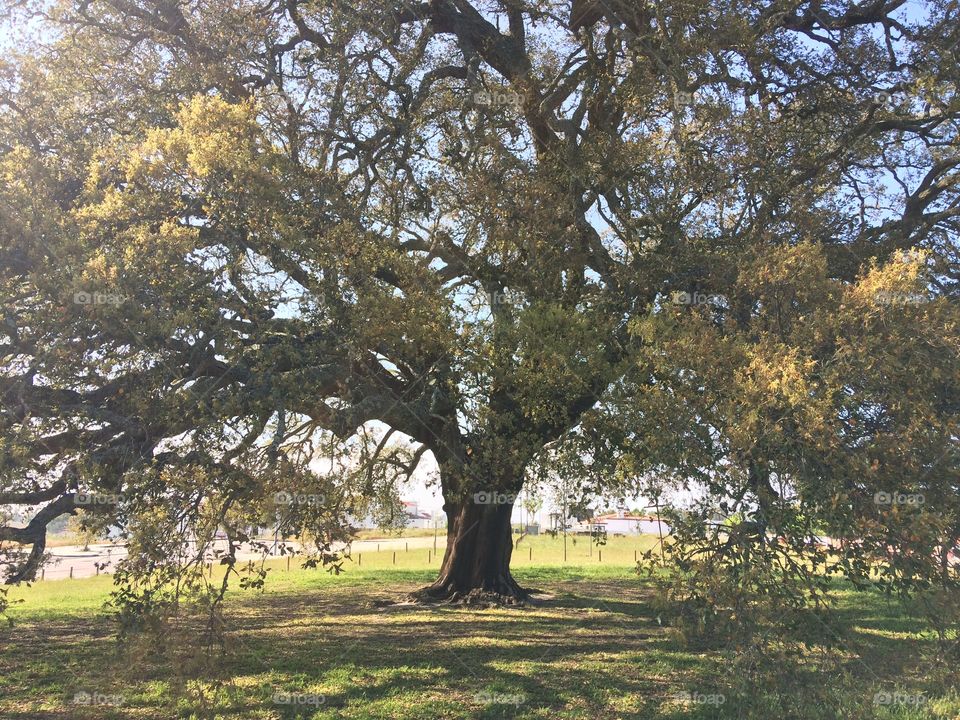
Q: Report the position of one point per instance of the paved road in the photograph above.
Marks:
(83, 563)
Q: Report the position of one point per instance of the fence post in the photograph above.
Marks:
(599, 555)
(394, 557)
(531, 553)
(359, 559)
(71, 572)
(288, 563)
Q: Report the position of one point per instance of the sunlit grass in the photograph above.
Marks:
(595, 651)
(76, 596)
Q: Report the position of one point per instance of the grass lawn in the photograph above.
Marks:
(315, 645)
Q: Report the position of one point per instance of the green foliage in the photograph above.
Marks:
(689, 246)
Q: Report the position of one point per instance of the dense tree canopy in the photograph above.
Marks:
(685, 242)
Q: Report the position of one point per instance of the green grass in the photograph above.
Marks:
(596, 650)
(66, 597)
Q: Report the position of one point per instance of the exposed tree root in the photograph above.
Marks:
(497, 595)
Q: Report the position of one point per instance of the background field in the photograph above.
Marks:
(326, 643)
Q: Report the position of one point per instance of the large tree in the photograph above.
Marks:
(230, 228)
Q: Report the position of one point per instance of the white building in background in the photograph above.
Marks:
(620, 523)
(415, 517)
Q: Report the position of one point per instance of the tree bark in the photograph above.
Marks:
(476, 565)
(27, 570)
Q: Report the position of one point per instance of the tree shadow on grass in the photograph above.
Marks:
(594, 650)
(581, 650)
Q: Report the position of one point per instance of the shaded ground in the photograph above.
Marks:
(319, 647)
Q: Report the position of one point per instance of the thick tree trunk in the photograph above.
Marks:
(476, 565)
(28, 569)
